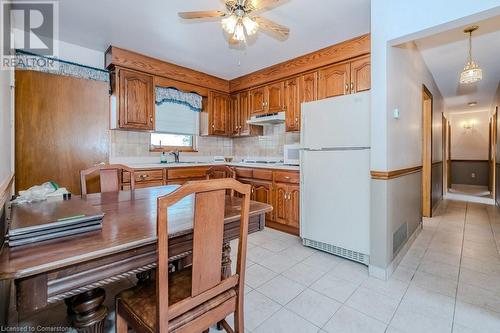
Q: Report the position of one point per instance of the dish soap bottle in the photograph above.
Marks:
(163, 158)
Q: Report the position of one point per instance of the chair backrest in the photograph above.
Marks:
(221, 171)
(110, 177)
(208, 232)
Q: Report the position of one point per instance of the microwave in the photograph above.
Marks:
(291, 154)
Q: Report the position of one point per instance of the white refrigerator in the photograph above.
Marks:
(335, 176)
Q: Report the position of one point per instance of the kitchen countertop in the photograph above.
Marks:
(195, 164)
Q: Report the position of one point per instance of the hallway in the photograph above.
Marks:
(454, 268)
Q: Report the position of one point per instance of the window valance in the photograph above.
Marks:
(172, 95)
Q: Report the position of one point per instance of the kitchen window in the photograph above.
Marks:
(177, 120)
(168, 142)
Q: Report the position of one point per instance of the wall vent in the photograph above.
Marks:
(338, 251)
(399, 238)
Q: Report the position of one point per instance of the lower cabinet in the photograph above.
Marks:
(279, 188)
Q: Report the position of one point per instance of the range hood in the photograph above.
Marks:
(267, 119)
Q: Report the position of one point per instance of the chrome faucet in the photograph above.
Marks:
(176, 154)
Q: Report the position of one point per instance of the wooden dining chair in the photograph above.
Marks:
(221, 171)
(110, 177)
(199, 296)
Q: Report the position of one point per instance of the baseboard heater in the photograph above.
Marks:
(338, 251)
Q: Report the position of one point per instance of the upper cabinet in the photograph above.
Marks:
(292, 105)
(257, 101)
(274, 97)
(240, 114)
(345, 78)
(334, 81)
(360, 75)
(132, 104)
(267, 99)
(218, 113)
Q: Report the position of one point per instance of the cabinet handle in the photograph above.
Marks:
(297, 120)
(213, 125)
(352, 86)
(346, 87)
(151, 120)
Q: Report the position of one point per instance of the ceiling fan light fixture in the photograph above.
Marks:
(472, 72)
(250, 25)
(239, 32)
(229, 23)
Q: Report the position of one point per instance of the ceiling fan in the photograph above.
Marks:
(239, 19)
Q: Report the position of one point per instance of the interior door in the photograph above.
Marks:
(334, 81)
(62, 127)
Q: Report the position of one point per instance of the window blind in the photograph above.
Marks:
(177, 118)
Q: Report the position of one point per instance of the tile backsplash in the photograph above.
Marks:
(269, 145)
(134, 146)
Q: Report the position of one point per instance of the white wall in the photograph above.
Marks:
(406, 73)
(472, 144)
(407, 20)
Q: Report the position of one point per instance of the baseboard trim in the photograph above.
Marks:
(385, 273)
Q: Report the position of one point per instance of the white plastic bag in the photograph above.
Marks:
(40, 192)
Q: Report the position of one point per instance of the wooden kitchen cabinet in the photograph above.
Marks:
(334, 81)
(262, 192)
(286, 205)
(308, 87)
(240, 114)
(268, 99)
(360, 75)
(133, 100)
(218, 113)
(345, 78)
(274, 97)
(292, 105)
(257, 101)
(234, 116)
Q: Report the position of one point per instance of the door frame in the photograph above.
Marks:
(427, 113)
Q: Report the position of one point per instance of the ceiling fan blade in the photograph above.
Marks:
(274, 28)
(202, 14)
(262, 4)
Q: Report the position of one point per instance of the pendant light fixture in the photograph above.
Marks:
(471, 73)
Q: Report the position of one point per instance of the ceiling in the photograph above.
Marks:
(153, 28)
(446, 54)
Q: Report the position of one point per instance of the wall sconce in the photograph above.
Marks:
(468, 125)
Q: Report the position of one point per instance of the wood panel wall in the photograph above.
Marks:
(62, 127)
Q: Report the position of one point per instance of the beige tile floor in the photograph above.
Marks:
(449, 281)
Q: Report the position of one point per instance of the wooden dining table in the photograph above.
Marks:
(76, 268)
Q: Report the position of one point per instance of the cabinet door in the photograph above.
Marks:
(280, 203)
(261, 192)
(244, 113)
(234, 116)
(257, 101)
(292, 105)
(308, 87)
(360, 75)
(293, 213)
(334, 81)
(274, 97)
(218, 113)
(136, 100)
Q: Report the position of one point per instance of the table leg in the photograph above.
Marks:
(90, 313)
(226, 268)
